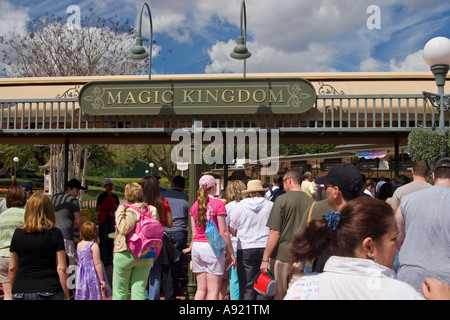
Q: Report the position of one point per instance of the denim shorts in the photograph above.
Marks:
(38, 296)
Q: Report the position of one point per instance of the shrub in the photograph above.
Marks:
(427, 144)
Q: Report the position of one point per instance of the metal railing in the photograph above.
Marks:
(331, 113)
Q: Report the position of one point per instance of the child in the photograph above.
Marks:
(91, 281)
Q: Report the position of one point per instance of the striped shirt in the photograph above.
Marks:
(10, 219)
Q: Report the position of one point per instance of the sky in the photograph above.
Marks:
(197, 36)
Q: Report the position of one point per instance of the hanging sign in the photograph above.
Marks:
(189, 97)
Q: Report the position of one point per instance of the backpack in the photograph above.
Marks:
(146, 239)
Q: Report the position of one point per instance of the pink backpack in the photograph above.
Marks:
(146, 239)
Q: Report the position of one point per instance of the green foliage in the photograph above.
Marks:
(430, 145)
(297, 149)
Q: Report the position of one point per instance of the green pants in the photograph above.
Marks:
(130, 271)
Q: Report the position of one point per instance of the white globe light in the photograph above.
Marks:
(437, 51)
(15, 159)
(151, 164)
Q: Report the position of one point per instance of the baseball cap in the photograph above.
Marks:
(26, 186)
(344, 175)
(107, 181)
(207, 181)
(442, 163)
(74, 183)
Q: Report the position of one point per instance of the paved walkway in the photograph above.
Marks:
(109, 271)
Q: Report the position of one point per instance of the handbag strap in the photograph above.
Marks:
(209, 212)
(310, 211)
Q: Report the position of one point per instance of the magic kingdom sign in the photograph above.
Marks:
(189, 97)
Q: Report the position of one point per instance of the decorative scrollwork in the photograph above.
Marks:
(435, 100)
(295, 100)
(96, 98)
(328, 89)
(70, 93)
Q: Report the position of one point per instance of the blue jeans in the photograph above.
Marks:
(38, 296)
(152, 292)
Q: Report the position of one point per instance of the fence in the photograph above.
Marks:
(332, 113)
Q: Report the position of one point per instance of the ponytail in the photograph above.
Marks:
(202, 201)
(315, 241)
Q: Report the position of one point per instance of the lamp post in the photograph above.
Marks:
(436, 54)
(138, 52)
(241, 52)
(15, 159)
(151, 165)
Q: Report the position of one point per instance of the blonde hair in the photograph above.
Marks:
(39, 214)
(202, 201)
(88, 231)
(233, 190)
(134, 192)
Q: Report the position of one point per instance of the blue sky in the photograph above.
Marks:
(197, 36)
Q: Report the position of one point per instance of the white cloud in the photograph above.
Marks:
(412, 62)
(288, 35)
(12, 18)
(320, 35)
(373, 65)
(316, 57)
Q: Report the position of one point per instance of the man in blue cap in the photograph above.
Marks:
(343, 183)
(28, 189)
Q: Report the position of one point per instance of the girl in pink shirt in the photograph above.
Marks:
(208, 268)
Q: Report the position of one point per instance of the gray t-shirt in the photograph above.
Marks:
(408, 188)
(425, 252)
(179, 207)
(65, 207)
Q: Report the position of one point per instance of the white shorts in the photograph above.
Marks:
(204, 259)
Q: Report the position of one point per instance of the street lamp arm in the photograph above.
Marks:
(138, 52)
(243, 21)
(151, 24)
(241, 52)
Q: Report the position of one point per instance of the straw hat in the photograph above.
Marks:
(254, 186)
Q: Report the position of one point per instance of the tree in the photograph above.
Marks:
(50, 48)
(158, 154)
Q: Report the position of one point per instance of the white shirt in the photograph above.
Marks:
(249, 218)
(352, 279)
(229, 206)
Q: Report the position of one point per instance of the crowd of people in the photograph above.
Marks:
(38, 248)
(337, 236)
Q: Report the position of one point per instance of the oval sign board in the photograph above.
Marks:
(229, 96)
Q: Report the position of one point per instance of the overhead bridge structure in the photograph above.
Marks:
(350, 108)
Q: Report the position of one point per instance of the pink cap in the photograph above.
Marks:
(207, 181)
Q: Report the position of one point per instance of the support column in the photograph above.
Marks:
(66, 162)
(397, 155)
(194, 176)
